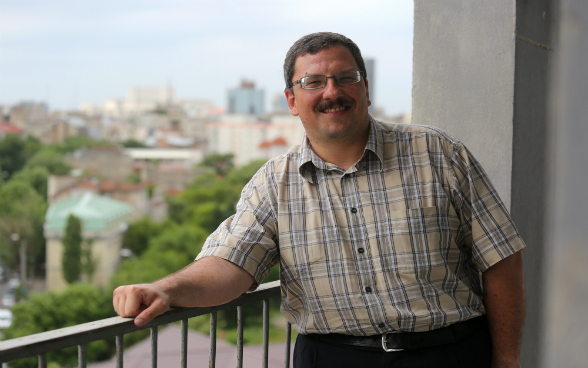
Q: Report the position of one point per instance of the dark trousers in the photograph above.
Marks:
(472, 351)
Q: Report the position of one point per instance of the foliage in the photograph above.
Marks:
(133, 143)
(71, 262)
(220, 163)
(78, 303)
(89, 261)
(133, 178)
(211, 199)
(75, 142)
(15, 151)
(140, 233)
(35, 176)
(173, 249)
(51, 160)
(22, 211)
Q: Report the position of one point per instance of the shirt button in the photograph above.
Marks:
(361, 250)
(381, 325)
(368, 289)
(354, 210)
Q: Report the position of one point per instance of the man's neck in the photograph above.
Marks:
(341, 153)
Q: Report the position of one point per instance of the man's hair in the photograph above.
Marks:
(312, 44)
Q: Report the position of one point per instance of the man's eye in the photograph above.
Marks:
(347, 79)
(313, 82)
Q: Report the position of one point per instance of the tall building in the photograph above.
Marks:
(246, 100)
(141, 99)
(370, 66)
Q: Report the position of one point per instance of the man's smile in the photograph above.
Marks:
(339, 105)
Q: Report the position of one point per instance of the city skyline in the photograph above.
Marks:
(67, 53)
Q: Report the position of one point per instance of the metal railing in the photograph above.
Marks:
(80, 335)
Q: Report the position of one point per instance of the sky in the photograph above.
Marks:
(66, 53)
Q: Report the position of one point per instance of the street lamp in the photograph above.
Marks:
(23, 257)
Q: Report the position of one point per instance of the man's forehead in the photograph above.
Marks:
(317, 57)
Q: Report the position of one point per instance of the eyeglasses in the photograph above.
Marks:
(320, 81)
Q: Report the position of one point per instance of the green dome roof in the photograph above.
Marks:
(95, 211)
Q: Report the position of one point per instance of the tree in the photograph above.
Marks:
(71, 262)
(133, 143)
(51, 160)
(140, 233)
(89, 261)
(79, 303)
(36, 177)
(221, 164)
(22, 211)
(175, 248)
(15, 151)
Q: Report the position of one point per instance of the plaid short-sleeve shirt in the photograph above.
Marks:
(397, 242)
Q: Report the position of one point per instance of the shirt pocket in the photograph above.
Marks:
(425, 237)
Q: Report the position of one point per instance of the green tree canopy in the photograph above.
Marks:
(36, 177)
(140, 233)
(71, 263)
(22, 211)
(172, 250)
(78, 303)
(51, 160)
(75, 142)
(15, 151)
(133, 143)
(211, 199)
(220, 163)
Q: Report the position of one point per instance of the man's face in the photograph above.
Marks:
(333, 113)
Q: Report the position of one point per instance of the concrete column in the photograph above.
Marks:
(481, 73)
(463, 77)
(534, 51)
(565, 340)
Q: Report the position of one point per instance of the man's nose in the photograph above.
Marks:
(332, 89)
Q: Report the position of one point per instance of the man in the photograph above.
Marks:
(394, 247)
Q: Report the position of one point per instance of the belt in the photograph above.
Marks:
(410, 340)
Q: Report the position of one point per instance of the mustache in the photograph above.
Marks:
(339, 102)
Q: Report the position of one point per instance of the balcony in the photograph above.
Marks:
(80, 335)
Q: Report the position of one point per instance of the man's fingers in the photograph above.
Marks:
(144, 301)
(155, 309)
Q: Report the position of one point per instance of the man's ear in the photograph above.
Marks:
(291, 101)
(367, 93)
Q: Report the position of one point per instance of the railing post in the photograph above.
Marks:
(240, 336)
(265, 332)
(82, 356)
(184, 343)
(119, 351)
(42, 360)
(154, 347)
(288, 343)
(212, 357)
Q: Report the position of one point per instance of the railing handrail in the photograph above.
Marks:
(45, 342)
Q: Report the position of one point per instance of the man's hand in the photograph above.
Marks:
(207, 282)
(143, 301)
(504, 299)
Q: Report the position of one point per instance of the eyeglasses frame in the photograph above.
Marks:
(299, 81)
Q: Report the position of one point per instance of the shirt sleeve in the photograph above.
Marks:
(489, 231)
(248, 238)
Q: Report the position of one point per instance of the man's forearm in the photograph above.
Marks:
(210, 281)
(207, 282)
(504, 299)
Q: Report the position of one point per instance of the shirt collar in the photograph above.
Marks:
(309, 160)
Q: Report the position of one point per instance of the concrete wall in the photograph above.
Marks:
(463, 77)
(481, 73)
(566, 295)
(535, 23)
